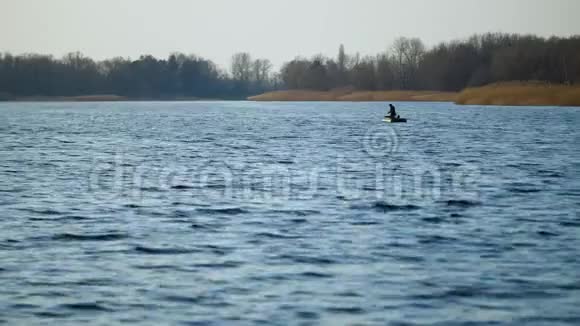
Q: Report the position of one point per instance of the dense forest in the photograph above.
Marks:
(477, 61)
(406, 65)
(147, 77)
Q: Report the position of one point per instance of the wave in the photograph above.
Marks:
(64, 218)
(218, 250)
(207, 227)
(132, 206)
(463, 203)
(316, 275)
(433, 219)
(485, 292)
(436, 239)
(164, 251)
(90, 237)
(299, 259)
(307, 315)
(184, 299)
(570, 223)
(226, 264)
(182, 187)
(550, 174)
(524, 190)
(383, 206)
(346, 310)
(43, 211)
(151, 189)
(285, 162)
(270, 235)
(85, 307)
(181, 214)
(299, 220)
(547, 234)
(52, 314)
(364, 223)
(296, 212)
(226, 211)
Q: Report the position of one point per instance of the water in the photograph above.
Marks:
(223, 212)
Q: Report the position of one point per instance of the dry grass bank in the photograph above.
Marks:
(521, 94)
(355, 96)
(512, 93)
(300, 95)
(411, 96)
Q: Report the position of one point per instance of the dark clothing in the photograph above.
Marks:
(392, 112)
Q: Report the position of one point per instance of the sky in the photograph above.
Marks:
(274, 29)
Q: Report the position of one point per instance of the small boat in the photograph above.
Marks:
(394, 120)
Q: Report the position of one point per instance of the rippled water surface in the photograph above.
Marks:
(315, 213)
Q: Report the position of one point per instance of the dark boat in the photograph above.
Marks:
(394, 120)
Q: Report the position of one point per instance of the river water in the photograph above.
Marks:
(213, 213)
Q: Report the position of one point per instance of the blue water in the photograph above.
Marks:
(213, 213)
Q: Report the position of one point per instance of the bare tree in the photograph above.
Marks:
(342, 59)
(385, 73)
(415, 52)
(261, 71)
(364, 74)
(408, 53)
(242, 66)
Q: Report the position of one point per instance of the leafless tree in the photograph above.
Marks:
(242, 66)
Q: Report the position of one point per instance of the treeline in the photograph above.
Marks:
(409, 65)
(147, 77)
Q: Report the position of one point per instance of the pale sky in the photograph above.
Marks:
(274, 29)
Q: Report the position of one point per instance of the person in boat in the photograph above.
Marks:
(392, 112)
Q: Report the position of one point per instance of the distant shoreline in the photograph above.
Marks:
(356, 96)
(504, 94)
(107, 98)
